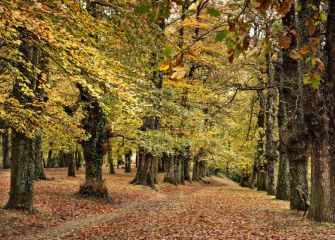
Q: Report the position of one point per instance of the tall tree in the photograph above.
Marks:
(295, 135)
(321, 125)
(282, 191)
(258, 175)
(23, 149)
(270, 146)
(148, 161)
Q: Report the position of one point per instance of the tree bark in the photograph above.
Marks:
(169, 175)
(321, 125)
(49, 161)
(5, 149)
(175, 171)
(39, 170)
(23, 148)
(244, 181)
(260, 164)
(61, 159)
(71, 172)
(295, 136)
(282, 192)
(270, 146)
(198, 172)
(94, 123)
(78, 159)
(160, 165)
(110, 157)
(187, 167)
(127, 167)
(146, 171)
(331, 78)
(22, 172)
(254, 174)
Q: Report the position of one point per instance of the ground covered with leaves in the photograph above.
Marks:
(215, 210)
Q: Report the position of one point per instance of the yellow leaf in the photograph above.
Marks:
(164, 67)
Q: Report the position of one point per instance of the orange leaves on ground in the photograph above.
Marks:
(217, 210)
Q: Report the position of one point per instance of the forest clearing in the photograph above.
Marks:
(167, 119)
(216, 210)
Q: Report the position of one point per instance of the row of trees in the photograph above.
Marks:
(91, 73)
(299, 60)
(173, 81)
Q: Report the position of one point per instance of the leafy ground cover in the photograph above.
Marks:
(215, 210)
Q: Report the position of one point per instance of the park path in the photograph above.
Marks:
(76, 225)
(221, 210)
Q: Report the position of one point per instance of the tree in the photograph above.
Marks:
(282, 191)
(24, 147)
(128, 156)
(295, 134)
(148, 162)
(321, 127)
(71, 164)
(270, 146)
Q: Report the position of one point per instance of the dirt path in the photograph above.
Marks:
(162, 202)
(77, 225)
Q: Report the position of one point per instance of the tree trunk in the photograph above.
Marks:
(137, 157)
(196, 170)
(244, 181)
(270, 146)
(61, 159)
(187, 168)
(110, 157)
(198, 167)
(39, 171)
(260, 164)
(148, 166)
(295, 136)
(49, 161)
(71, 172)
(282, 192)
(169, 175)
(23, 148)
(160, 165)
(254, 175)
(22, 172)
(5, 149)
(331, 78)
(322, 127)
(175, 171)
(146, 171)
(94, 123)
(127, 168)
(261, 180)
(78, 159)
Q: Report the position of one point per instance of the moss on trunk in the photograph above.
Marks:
(22, 173)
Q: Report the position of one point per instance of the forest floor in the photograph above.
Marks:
(217, 210)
